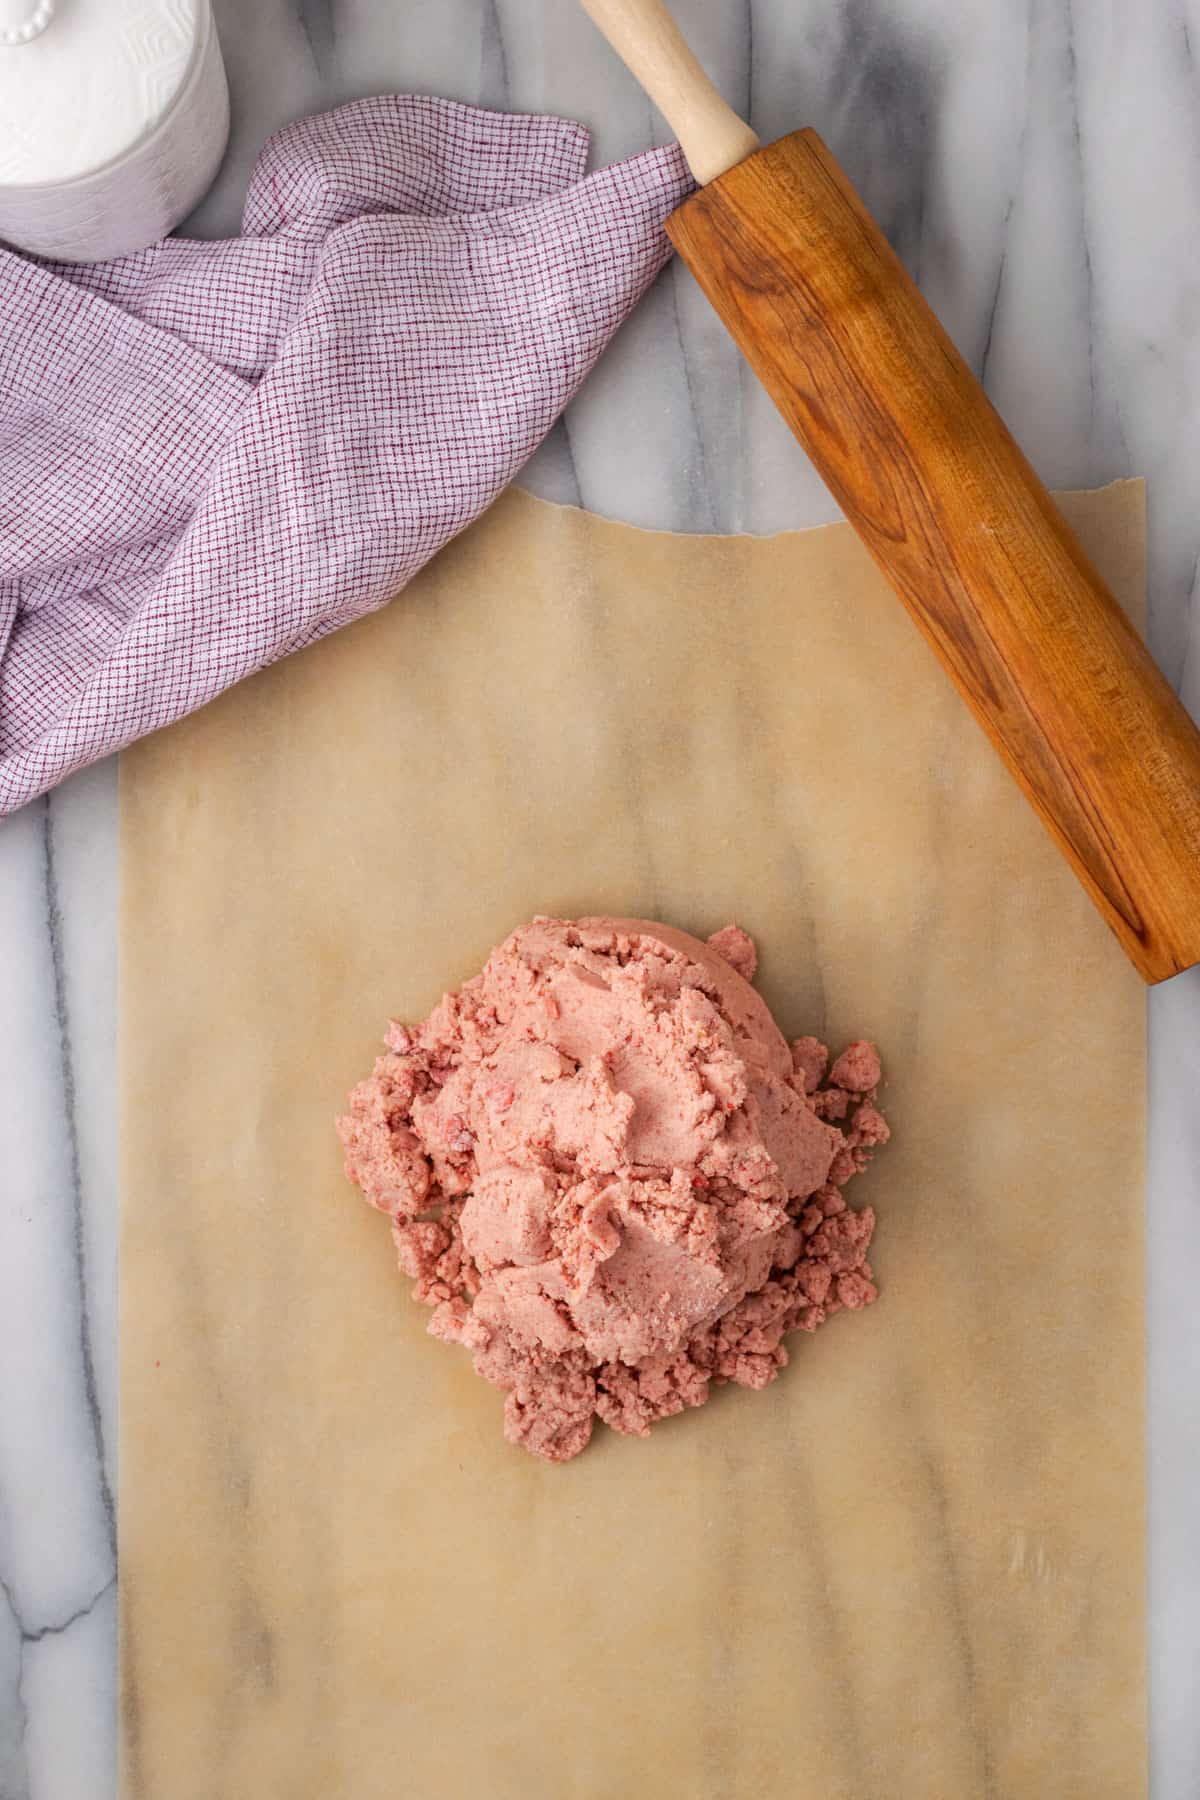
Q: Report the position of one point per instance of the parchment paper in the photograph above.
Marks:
(914, 1567)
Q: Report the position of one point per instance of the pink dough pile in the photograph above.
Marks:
(612, 1179)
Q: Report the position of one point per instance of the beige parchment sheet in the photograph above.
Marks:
(912, 1569)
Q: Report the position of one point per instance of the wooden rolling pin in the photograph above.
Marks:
(929, 476)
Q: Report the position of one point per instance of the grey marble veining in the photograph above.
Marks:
(1037, 164)
(58, 1292)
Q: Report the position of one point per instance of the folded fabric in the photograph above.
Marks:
(211, 454)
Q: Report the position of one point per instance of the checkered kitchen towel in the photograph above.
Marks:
(211, 454)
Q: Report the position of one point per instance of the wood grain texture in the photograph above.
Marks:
(930, 477)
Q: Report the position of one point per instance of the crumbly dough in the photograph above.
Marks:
(611, 1177)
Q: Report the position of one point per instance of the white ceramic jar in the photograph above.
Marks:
(114, 115)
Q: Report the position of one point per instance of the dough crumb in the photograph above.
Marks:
(737, 947)
(856, 1069)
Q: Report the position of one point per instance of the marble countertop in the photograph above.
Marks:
(1037, 168)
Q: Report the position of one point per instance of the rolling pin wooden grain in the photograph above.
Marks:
(930, 477)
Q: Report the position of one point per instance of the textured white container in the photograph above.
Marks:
(114, 115)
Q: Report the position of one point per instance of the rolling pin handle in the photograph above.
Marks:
(648, 41)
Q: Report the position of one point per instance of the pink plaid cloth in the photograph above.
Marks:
(211, 454)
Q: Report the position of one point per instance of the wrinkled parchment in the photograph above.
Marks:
(914, 1567)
